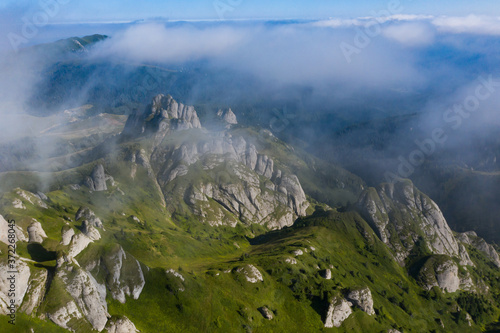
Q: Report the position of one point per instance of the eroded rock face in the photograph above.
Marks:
(338, 311)
(362, 298)
(90, 231)
(121, 325)
(33, 199)
(245, 183)
(89, 295)
(97, 179)
(162, 116)
(440, 271)
(228, 117)
(84, 213)
(36, 232)
(471, 238)
(241, 184)
(124, 275)
(79, 242)
(67, 234)
(65, 314)
(401, 215)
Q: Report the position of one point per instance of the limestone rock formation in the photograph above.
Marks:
(65, 314)
(471, 238)
(121, 325)
(242, 185)
(84, 213)
(251, 273)
(97, 179)
(89, 295)
(245, 184)
(362, 298)
(228, 117)
(36, 232)
(338, 311)
(33, 199)
(78, 243)
(123, 273)
(440, 271)
(67, 234)
(90, 231)
(162, 116)
(402, 216)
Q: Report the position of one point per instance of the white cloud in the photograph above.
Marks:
(154, 42)
(410, 33)
(470, 24)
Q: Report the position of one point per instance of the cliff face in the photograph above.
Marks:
(403, 217)
(221, 177)
(162, 116)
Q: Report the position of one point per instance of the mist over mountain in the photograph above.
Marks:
(255, 174)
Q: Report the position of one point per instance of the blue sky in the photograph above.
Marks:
(127, 10)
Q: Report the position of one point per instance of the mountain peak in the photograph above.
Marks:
(161, 116)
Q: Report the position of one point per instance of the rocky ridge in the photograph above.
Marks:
(404, 217)
(242, 185)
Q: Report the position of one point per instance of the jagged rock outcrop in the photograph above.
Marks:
(245, 183)
(402, 217)
(31, 198)
(88, 294)
(162, 116)
(440, 271)
(241, 184)
(121, 272)
(84, 213)
(251, 273)
(79, 242)
(90, 231)
(97, 179)
(471, 238)
(121, 325)
(36, 233)
(338, 311)
(67, 234)
(4, 232)
(362, 298)
(227, 117)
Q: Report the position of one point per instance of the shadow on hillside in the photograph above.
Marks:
(39, 254)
